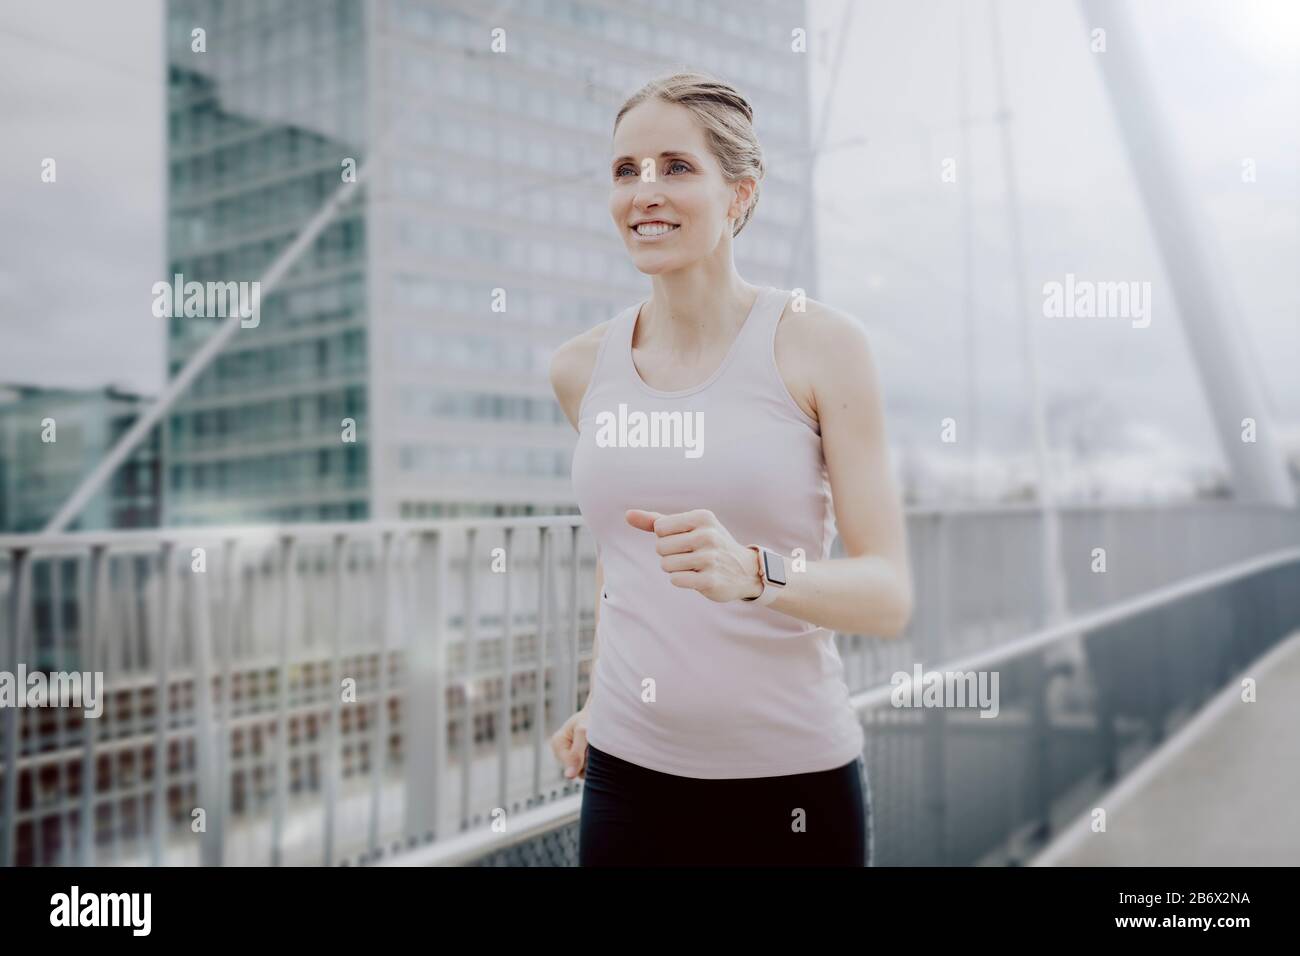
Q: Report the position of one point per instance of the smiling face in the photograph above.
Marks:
(684, 210)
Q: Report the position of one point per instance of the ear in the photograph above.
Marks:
(743, 189)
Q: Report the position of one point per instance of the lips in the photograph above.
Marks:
(654, 229)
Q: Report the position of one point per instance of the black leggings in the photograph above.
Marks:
(633, 816)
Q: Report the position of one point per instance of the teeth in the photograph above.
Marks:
(653, 229)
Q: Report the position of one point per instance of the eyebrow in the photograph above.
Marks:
(665, 153)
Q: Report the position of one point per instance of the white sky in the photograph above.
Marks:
(891, 231)
(84, 84)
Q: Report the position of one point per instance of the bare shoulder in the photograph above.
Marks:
(816, 346)
(572, 364)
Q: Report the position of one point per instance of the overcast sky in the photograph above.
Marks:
(84, 84)
(891, 231)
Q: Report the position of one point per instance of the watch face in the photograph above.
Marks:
(774, 566)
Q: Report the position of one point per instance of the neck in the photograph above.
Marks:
(689, 313)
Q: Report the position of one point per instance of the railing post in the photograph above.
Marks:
(161, 694)
(61, 656)
(934, 729)
(225, 700)
(505, 736)
(1039, 745)
(426, 694)
(543, 622)
(338, 555)
(130, 587)
(1107, 729)
(570, 683)
(469, 615)
(928, 648)
(379, 743)
(942, 631)
(206, 790)
(288, 566)
(19, 578)
(90, 595)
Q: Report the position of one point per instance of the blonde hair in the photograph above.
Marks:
(727, 119)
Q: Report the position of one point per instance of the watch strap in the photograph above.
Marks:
(770, 590)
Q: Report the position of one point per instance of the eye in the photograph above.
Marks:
(618, 173)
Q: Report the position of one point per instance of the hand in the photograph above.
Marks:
(699, 553)
(569, 744)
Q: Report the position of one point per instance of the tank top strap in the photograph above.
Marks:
(754, 350)
(619, 354)
(618, 346)
(608, 371)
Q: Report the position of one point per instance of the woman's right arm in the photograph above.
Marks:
(572, 365)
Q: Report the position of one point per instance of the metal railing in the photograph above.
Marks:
(946, 787)
(272, 696)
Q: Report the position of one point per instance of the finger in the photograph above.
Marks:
(645, 520)
(686, 561)
(573, 758)
(685, 541)
(580, 745)
(693, 580)
(581, 756)
(560, 746)
(682, 521)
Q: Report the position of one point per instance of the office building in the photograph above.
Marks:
(489, 188)
(52, 438)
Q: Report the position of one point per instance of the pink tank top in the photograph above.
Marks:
(682, 684)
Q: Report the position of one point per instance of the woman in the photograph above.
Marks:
(716, 422)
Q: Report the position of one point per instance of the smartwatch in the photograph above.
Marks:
(771, 568)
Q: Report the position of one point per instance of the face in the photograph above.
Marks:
(687, 193)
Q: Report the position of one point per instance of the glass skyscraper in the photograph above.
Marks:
(42, 464)
(428, 310)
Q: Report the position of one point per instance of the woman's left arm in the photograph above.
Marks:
(869, 591)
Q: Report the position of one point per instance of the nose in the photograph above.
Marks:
(646, 195)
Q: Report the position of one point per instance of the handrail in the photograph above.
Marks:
(1095, 620)
(28, 541)
(469, 846)
(271, 532)
(472, 845)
